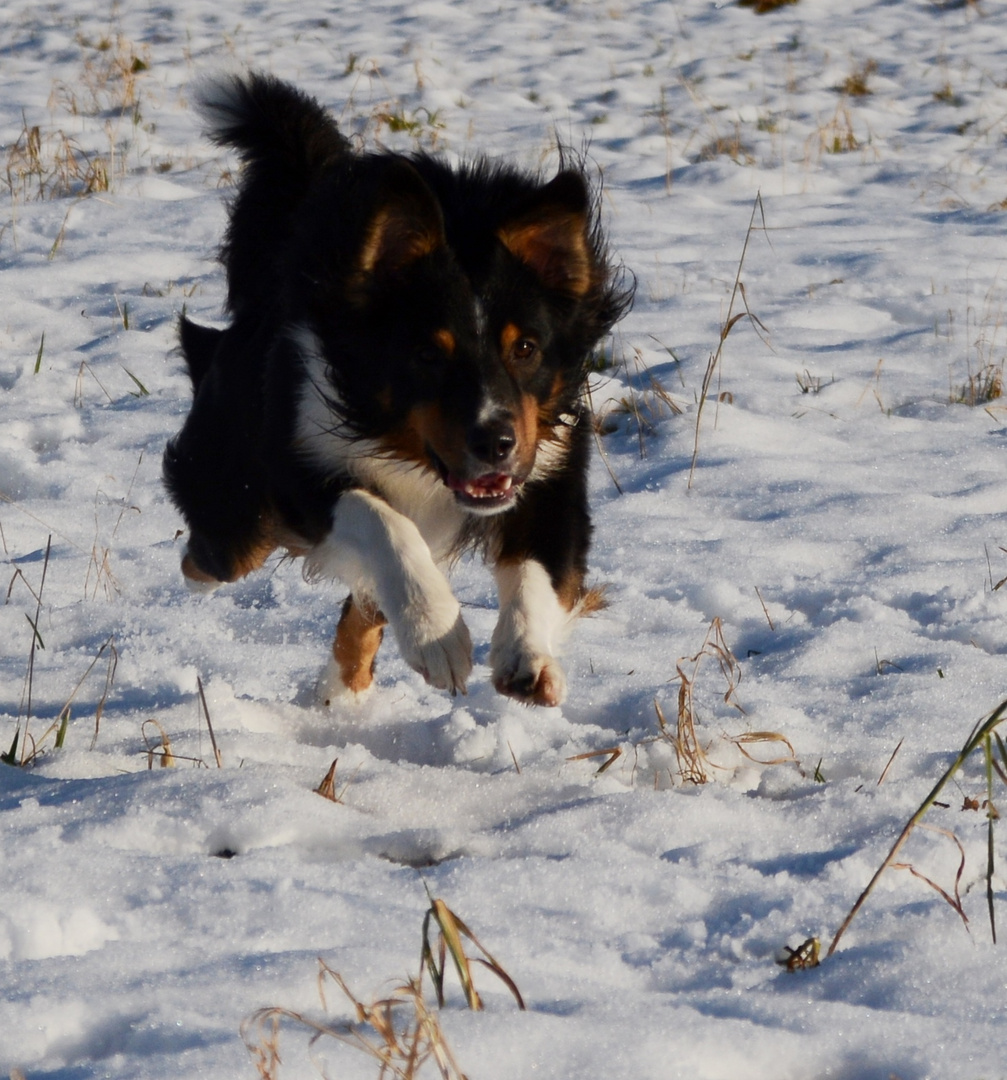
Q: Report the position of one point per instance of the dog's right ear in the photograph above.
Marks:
(406, 224)
(552, 235)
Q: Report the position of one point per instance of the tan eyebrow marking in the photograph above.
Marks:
(446, 340)
(508, 336)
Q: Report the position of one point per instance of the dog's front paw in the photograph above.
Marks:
(435, 642)
(528, 678)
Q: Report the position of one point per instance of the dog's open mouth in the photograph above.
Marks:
(489, 492)
(485, 492)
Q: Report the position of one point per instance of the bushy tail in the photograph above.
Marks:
(270, 123)
(286, 141)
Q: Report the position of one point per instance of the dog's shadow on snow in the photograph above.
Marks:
(403, 721)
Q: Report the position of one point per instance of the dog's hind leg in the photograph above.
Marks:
(358, 637)
(207, 565)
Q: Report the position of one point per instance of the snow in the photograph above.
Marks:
(844, 524)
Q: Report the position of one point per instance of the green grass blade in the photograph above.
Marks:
(990, 817)
(143, 391)
(34, 627)
(61, 731)
(10, 758)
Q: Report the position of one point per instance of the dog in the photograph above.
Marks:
(402, 379)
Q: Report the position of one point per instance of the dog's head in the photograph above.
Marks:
(459, 341)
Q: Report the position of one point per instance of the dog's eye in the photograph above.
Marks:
(525, 350)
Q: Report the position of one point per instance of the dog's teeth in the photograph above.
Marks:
(487, 487)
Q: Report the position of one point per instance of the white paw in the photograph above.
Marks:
(435, 641)
(531, 626)
(380, 553)
(202, 588)
(196, 580)
(331, 690)
(531, 678)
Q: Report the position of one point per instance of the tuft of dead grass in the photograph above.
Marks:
(645, 404)
(981, 387)
(50, 165)
(26, 747)
(837, 135)
(986, 742)
(400, 1032)
(450, 934)
(109, 81)
(693, 764)
(856, 84)
(693, 760)
(984, 366)
(161, 749)
(729, 146)
(103, 107)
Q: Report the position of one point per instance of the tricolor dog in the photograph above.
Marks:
(402, 379)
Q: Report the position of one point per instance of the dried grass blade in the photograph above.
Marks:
(760, 737)
(113, 664)
(327, 788)
(610, 753)
(166, 756)
(884, 771)
(36, 640)
(209, 725)
(1003, 757)
(490, 961)
(502, 975)
(451, 930)
(729, 323)
(953, 902)
(429, 962)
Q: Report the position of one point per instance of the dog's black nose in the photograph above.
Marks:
(494, 440)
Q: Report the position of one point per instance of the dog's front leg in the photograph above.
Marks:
(533, 622)
(380, 554)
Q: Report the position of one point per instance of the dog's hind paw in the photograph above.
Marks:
(332, 690)
(197, 580)
(532, 680)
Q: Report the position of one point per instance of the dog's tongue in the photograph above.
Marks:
(490, 486)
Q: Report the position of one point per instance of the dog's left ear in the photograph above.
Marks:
(406, 224)
(551, 235)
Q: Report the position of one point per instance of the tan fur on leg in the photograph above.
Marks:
(358, 635)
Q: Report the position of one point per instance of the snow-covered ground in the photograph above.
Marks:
(845, 524)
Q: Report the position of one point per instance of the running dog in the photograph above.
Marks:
(402, 379)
